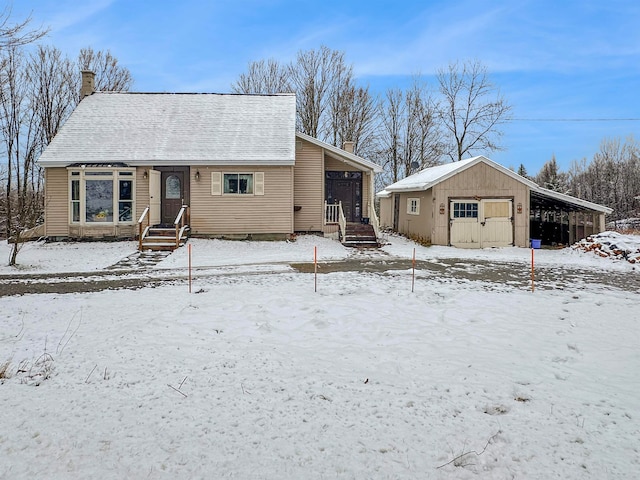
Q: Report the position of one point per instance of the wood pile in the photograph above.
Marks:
(612, 245)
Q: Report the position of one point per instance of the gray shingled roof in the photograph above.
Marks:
(166, 128)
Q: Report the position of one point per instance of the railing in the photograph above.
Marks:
(142, 234)
(181, 223)
(333, 214)
(373, 219)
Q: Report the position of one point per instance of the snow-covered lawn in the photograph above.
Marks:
(258, 376)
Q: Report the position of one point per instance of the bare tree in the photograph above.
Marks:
(22, 143)
(424, 144)
(352, 114)
(54, 80)
(37, 94)
(392, 128)
(266, 77)
(314, 76)
(17, 34)
(472, 109)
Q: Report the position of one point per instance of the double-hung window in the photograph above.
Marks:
(101, 195)
(413, 206)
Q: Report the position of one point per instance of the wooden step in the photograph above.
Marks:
(360, 235)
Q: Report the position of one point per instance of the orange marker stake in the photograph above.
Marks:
(532, 272)
(413, 270)
(189, 252)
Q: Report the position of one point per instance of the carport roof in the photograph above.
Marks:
(551, 199)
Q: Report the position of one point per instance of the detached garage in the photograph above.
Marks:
(477, 203)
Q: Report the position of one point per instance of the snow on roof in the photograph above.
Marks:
(347, 157)
(427, 178)
(165, 128)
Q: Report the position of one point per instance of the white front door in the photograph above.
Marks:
(154, 197)
(481, 223)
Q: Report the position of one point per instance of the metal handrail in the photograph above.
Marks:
(142, 234)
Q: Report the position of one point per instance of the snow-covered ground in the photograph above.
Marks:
(259, 376)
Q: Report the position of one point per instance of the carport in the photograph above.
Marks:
(559, 219)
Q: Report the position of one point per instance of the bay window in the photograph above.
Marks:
(101, 195)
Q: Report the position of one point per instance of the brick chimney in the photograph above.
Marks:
(88, 83)
(348, 147)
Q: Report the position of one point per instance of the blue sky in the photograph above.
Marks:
(553, 60)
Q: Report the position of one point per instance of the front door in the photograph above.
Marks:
(175, 192)
(345, 187)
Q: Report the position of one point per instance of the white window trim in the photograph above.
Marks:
(115, 178)
(411, 202)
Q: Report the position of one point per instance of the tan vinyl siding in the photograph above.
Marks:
(309, 188)
(56, 208)
(482, 181)
(217, 215)
(142, 192)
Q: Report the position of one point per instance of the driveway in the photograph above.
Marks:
(517, 275)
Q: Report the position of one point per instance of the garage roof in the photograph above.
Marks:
(429, 177)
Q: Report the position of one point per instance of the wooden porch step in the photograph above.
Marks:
(162, 239)
(360, 235)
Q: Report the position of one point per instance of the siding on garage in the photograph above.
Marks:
(228, 215)
(418, 226)
(481, 181)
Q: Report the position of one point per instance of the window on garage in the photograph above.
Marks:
(465, 210)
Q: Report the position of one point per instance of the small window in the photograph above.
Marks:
(75, 201)
(238, 183)
(465, 210)
(173, 190)
(413, 206)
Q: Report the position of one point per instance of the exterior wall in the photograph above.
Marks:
(142, 191)
(57, 224)
(56, 205)
(386, 212)
(414, 226)
(483, 181)
(308, 188)
(229, 215)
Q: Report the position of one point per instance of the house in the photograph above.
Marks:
(219, 165)
(477, 203)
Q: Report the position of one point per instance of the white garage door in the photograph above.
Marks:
(481, 223)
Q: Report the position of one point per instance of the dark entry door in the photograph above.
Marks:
(346, 187)
(174, 193)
